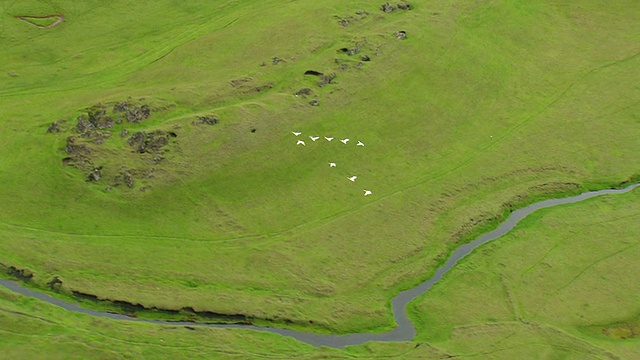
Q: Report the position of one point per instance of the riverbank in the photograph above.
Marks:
(405, 330)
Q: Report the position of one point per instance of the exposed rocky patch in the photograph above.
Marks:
(23, 274)
(55, 126)
(400, 34)
(350, 51)
(240, 81)
(348, 20)
(261, 88)
(55, 284)
(132, 309)
(185, 313)
(246, 86)
(387, 7)
(131, 111)
(124, 178)
(78, 153)
(326, 79)
(85, 148)
(206, 120)
(151, 142)
(95, 174)
(304, 92)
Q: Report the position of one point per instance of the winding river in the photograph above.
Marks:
(404, 331)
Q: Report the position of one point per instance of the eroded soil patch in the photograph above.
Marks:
(38, 21)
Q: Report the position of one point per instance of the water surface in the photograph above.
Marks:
(404, 331)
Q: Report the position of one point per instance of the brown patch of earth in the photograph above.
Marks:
(58, 21)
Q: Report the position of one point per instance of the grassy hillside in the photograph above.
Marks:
(32, 330)
(563, 283)
(484, 106)
(521, 296)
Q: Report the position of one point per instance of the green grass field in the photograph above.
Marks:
(561, 285)
(485, 106)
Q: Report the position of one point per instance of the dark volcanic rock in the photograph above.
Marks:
(97, 116)
(386, 7)
(125, 177)
(314, 103)
(54, 127)
(132, 113)
(207, 120)
(23, 274)
(55, 284)
(79, 154)
(400, 34)
(240, 81)
(128, 179)
(74, 149)
(365, 58)
(262, 87)
(350, 51)
(304, 92)
(151, 142)
(84, 127)
(138, 141)
(95, 174)
(326, 79)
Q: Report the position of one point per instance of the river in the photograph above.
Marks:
(404, 331)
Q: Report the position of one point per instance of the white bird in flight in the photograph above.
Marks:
(328, 138)
(352, 178)
(367, 192)
(360, 143)
(296, 133)
(300, 142)
(332, 164)
(344, 141)
(314, 138)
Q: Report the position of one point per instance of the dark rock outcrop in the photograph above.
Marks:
(54, 127)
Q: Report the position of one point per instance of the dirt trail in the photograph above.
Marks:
(59, 20)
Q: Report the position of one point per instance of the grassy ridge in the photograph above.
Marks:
(483, 105)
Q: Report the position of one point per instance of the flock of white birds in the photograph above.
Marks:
(332, 164)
